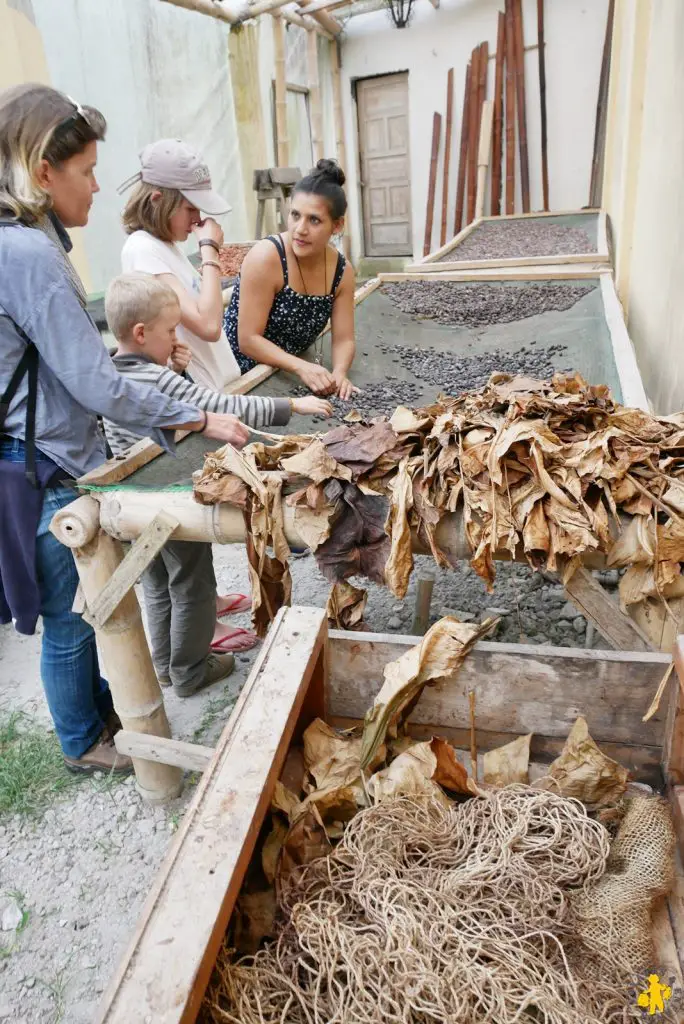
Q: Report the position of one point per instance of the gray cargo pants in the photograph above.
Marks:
(180, 600)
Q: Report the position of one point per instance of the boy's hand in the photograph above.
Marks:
(226, 427)
(312, 406)
(180, 357)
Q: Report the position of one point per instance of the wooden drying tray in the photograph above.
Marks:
(302, 673)
(555, 265)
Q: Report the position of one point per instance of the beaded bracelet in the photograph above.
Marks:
(210, 263)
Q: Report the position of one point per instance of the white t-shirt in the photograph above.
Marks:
(213, 364)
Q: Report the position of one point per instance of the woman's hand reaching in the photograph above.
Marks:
(317, 378)
(343, 386)
(225, 427)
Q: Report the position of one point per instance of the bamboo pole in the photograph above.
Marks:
(314, 96)
(283, 155)
(542, 99)
(519, 50)
(463, 152)
(434, 156)
(338, 115)
(302, 21)
(473, 132)
(208, 7)
(325, 20)
(497, 138)
(447, 152)
(510, 110)
(484, 150)
(597, 161)
(121, 642)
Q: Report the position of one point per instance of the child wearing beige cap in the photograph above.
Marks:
(172, 193)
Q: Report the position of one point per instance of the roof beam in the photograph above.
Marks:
(209, 7)
(324, 5)
(324, 20)
(215, 9)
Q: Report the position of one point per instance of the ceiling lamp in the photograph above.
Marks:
(400, 11)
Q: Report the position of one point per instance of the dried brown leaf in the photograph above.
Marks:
(254, 919)
(509, 763)
(270, 851)
(305, 842)
(346, 606)
(582, 771)
(400, 562)
(315, 463)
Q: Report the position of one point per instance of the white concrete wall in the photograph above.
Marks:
(437, 40)
(154, 70)
(644, 188)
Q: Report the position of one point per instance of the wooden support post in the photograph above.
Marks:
(497, 137)
(463, 152)
(447, 153)
(510, 110)
(280, 91)
(121, 641)
(522, 111)
(421, 614)
(432, 185)
(314, 96)
(542, 98)
(484, 149)
(586, 592)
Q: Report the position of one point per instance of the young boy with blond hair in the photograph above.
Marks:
(180, 585)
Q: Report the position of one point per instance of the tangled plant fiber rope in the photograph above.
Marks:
(425, 913)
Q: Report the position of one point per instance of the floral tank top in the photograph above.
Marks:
(295, 320)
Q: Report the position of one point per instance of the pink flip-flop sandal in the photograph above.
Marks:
(238, 641)
(235, 604)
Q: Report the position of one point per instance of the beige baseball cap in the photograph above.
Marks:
(171, 163)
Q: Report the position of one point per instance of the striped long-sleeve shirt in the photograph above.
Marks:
(253, 411)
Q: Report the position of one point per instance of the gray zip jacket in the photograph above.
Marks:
(76, 378)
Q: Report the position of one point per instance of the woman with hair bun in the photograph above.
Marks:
(290, 285)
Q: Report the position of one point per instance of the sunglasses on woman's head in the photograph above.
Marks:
(73, 118)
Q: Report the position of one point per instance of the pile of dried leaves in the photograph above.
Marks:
(548, 470)
(394, 886)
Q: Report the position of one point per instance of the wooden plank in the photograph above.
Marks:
(473, 134)
(676, 906)
(598, 607)
(510, 108)
(631, 384)
(675, 795)
(190, 756)
(664, 945)
(542, 103)
(560, 272)
(189, 908)
(521, 103)
(463, 152)
(497, 141)
(445, 249)
(548, 213)
(600, 123)
(520, 688)
(673, 751)
(602, 244)
(432, 185)
(127, 573)
(447, 153)
(581, 259)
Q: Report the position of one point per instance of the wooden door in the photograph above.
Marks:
(385, 170)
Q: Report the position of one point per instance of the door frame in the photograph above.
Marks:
(355, 82)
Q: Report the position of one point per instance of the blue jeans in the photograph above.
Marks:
(78, 697)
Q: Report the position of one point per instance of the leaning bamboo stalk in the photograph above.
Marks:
(497, 137)
(510, 110)
(596, 181)
(280, 92)
(314, 95)
(519, 49)
(484, 151)
(121, 641)
(473, 133)
(447, 153)
(338, 117)
(542, 101)
(432, 184)
(463, 153)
